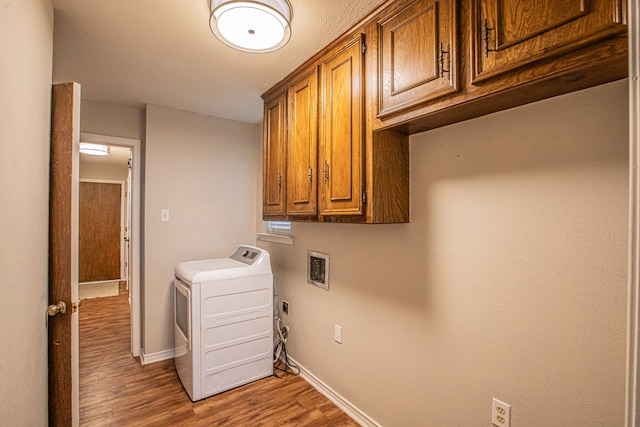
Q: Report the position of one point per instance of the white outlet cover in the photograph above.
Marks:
(500, 413)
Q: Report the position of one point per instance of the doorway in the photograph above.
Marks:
(121, 167)
(104, 224)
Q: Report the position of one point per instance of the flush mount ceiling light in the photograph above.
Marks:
(94, 149)
(251, 26)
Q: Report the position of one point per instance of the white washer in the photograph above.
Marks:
(223, 321)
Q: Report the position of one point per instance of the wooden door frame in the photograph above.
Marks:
(123, 207)
(135, 239)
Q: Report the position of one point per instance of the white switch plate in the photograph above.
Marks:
(337, 333)
(164, 215)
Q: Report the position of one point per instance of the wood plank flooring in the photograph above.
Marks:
(116, 391)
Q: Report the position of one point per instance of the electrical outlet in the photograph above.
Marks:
(337, 334)
(500, 413)
(285, 307)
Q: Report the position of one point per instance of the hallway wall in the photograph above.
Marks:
(204, 170)
(26, 43)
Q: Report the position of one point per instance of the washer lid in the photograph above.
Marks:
(208, 270)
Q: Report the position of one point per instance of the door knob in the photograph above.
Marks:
(54, 309)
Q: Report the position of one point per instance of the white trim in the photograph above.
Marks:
(632, 397)
(275, 238)
(98, 282)
(347, 407)
(147, 359)
(104, 181)
(75, 228)
(135, 241)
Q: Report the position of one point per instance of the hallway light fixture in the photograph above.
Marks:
(94, 149)
(257, 26)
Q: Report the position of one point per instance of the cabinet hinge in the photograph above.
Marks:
(364, 48)
(364, 197)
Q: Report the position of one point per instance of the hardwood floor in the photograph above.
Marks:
(115, 390)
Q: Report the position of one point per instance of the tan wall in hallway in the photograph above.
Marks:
(117, 172)
(509, 282)
(26, 43)
(203, 169)
(113, 120)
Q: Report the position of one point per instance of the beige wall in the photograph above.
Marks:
(114, 172)
(204, 170)
(509, 282)
(26, 43)
(112, 120)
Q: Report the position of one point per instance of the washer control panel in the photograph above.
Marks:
(246, 255)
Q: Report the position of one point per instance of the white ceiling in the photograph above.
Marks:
(162, 52)
(118, 156)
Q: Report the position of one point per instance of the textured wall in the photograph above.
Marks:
(114, 172)
(509, 282)
(26, 43)
(113, 120)
(204, 170)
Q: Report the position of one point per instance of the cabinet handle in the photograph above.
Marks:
(279, 181)
(441, 58)
(326, 172)
(485, 37)
(309, 176)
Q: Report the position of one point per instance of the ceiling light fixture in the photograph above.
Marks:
(94, 149)
(251, 26)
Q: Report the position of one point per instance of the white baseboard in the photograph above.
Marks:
(349, 408)
(147, 359)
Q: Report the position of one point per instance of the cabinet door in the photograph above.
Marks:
(273, 157)
(342, 153)
(303, 145)
(508, 34)
(417, 50)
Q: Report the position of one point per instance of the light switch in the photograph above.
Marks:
(164, 215)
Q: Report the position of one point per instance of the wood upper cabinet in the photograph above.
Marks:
(430, 63)
(341, 151)
(302, 145)
(417, 50)
(509, 34)
(273, 157)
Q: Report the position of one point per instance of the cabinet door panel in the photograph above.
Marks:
(417, 50)
(343, 126)
(274, 157)
(517, 22)
(508, 34)
(303, 145)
